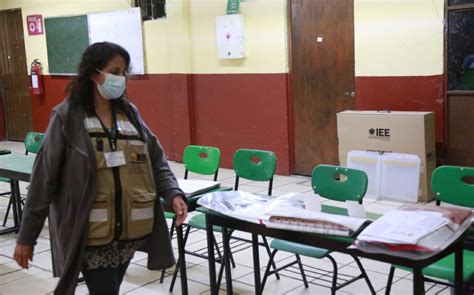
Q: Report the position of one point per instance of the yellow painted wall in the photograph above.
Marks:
(398, 37)
(166, 41)
(189, 31)
(392, 37)
(185, 41)
(265, 33)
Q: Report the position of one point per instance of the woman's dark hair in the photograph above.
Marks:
(96, 56)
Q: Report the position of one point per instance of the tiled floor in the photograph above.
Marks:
(139, 280)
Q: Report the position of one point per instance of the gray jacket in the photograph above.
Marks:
(63, 184)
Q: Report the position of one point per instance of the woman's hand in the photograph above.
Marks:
(22, 254)
(180, 208)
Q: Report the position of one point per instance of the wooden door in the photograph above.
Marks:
(14, 75)
(322, 77)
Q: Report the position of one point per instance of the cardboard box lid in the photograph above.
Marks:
(389, 113)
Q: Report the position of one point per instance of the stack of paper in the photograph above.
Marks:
(194, 187)
(285, 212)
(417, 228)
(299, 219)
(237, 204)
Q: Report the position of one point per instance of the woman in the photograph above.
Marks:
(99, 173)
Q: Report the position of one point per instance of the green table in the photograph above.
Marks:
(17, 167)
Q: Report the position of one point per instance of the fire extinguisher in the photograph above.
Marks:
(36, 78)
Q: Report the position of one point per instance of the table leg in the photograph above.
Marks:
(256, 264)
(14, 200)
(226, 260)
(211, 259)
(15, 207)
(458, 270)
(418, 282)
(18, 202)
(182, 262)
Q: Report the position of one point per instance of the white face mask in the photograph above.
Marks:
(113, 87)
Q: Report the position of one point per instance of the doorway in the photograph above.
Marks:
(14, 76)
(321, 76)
(459, 60)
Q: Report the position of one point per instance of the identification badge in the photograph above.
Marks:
(115, 159)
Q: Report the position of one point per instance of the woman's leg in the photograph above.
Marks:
(122, 268)
(105, 281)
(101, 281)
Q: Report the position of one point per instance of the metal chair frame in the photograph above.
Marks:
(325, 186)
(195, 162)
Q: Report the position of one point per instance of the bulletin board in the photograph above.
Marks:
(68, 37)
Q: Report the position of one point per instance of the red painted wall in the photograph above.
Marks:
(41, 107)
(415, 93)
(163, 103)
(242, 111)
(233, 111)
(227, 111)
(151, 94)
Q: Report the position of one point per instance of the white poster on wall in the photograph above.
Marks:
(123, 27)
(230, 36)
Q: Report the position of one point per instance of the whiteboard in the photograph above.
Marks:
(123, 27)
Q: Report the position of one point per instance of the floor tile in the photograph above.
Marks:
(139, 280)
(38, 282)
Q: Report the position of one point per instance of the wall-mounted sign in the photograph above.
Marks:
(34, 24)
(233, 6)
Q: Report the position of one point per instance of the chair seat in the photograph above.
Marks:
(299, 249)
(170, 215)
(199, 221)
(444, 268)
(3, 179)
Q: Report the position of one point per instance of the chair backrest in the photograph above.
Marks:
(449, 185)
(339, 183)
(201, 160)
(255, 165)
(33, 141)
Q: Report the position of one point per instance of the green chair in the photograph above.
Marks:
(256, 165)
(202, 160)
(251, 164)
(450, 185)
(334, 183)
(32, 141)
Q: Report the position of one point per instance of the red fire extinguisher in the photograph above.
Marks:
(36, 78)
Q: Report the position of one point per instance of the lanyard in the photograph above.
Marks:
(113, 132)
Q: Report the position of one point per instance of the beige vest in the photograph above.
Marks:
(133, 181)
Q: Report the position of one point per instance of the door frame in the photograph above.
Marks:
(289, 87)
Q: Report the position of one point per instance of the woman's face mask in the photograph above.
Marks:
(113, 87)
